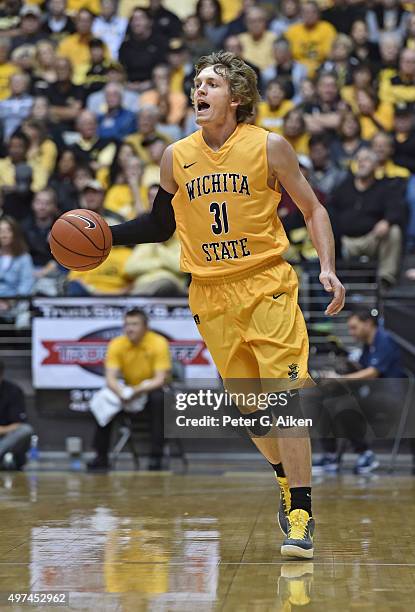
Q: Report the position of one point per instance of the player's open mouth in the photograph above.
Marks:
(202, 106)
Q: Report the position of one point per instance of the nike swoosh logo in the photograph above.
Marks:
(189, 165)
(277, 296)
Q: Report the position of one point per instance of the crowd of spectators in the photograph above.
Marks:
(92, 92)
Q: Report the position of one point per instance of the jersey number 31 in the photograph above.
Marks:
(220, 213)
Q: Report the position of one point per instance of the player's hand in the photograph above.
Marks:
(332, 285)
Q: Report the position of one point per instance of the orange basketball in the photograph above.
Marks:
(80, 240)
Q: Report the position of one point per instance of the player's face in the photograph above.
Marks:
(135, 328)
(212, 98)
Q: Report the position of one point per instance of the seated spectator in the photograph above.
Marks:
(164, 21)
(24, 58)
(19, 177)
(364, 51)
(45, 70)
(30, 27)
(117, 122)
(161, 94)
(182, 70)
(348, 141)
(57, 24)
(130, 99)
(374, 115)
(401, 87)
(42, 151)
(15, 432)
(62, 181)
(342, 14)
(324, 176)
(389, 48)
(325, 112)
(97, 70)
(155, 268)
(271, 112)
(126, 194)
(312, 38)
(110, 27)
(65, 98)
(16, 267)
(339, 62)
(285, 67)
(237, 25)
(41, 112)
(75, 47)
(17, 106)
(148, 130)
(7, 68)
(362, 78)
(142, 49)
(92, 198)
(386, 16)
(90, 148)
(382, 145)
(294, 131)
(368, 215)
(194, 39)
(233, 45)
(141, 359)
(151, 174)
(404, 137)
(36, 230)
(108, 278)
(289, 15)
(257, 42)
(210, 16)
(373, 404)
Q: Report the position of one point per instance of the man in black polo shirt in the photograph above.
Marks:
(368, 215)
(65, 98)
(15, 432)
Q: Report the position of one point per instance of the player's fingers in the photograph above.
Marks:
(326, 282)
(337, 302)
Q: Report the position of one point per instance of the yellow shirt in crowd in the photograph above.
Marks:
(76, 48)
(109, 277)
(382, 120)
(311, 46)
(138, 362)
(8, 174)
(272, 120)
(258, 52)
(6, 71)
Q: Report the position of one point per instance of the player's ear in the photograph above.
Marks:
(235, 102)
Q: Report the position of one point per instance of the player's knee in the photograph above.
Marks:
(260, 423)
(289, 408)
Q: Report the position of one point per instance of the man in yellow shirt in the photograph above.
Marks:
(76, 46)
(382, 145)
(400, 87)
(311, 40)
(141, 358)
(257, 42)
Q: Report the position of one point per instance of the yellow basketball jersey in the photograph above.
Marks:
(226, 214)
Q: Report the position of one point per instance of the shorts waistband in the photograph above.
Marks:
(231, 278)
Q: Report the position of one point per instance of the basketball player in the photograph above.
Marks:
(219, 187)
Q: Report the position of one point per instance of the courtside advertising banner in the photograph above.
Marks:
(70, 338)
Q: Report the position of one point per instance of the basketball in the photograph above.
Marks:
(80, 240)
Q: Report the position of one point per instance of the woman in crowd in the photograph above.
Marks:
(348, 141)
(210, 15)
(62, 180)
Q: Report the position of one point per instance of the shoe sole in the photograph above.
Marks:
(288, 550)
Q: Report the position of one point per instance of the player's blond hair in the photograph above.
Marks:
(241, 78)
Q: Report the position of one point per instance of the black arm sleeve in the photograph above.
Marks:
(158, 225)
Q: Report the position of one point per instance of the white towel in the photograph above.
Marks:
(105, 404)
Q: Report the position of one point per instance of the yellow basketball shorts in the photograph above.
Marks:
(252, 325)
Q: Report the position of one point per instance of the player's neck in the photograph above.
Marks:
(216, 135)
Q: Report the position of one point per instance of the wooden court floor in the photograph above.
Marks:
(163, 542)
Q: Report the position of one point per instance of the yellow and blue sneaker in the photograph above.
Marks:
(299, 540)
(285, 504)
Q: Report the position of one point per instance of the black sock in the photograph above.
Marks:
(279, 469)
(301, 499)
